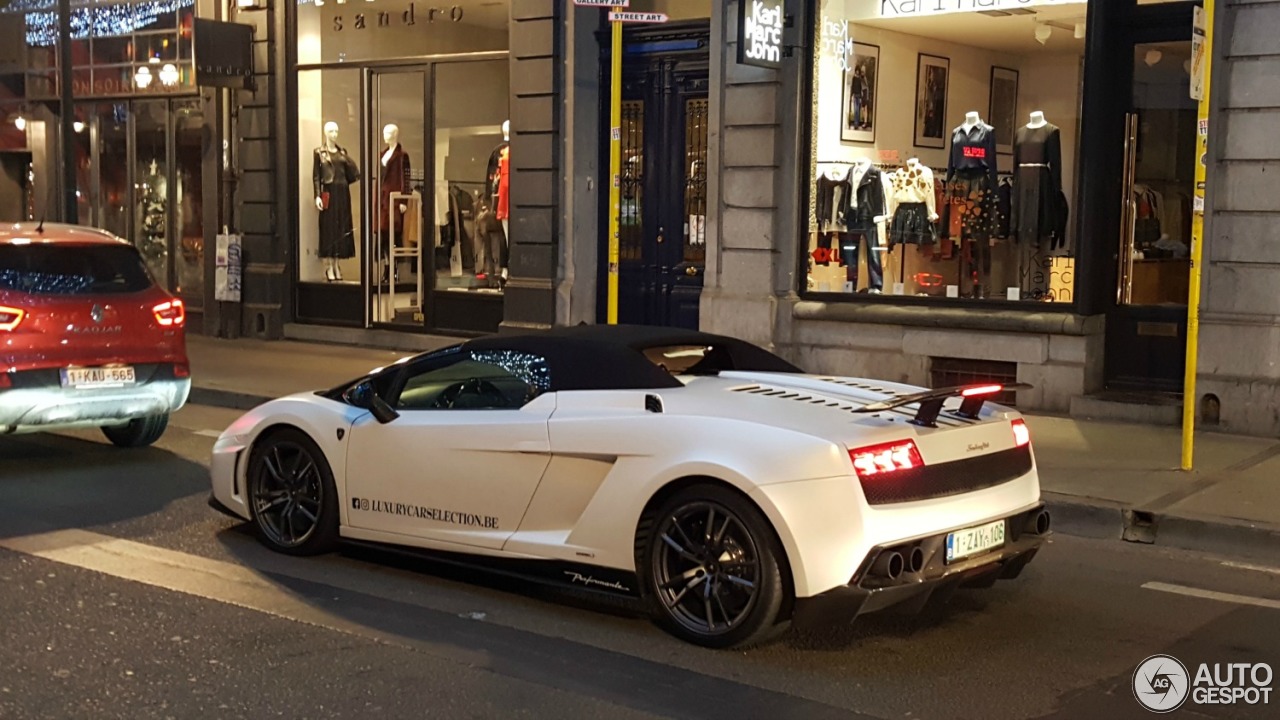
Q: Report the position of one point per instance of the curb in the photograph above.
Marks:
(1105, 519)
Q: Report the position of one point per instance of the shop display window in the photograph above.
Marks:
(403, 161)
(330, 172)
(944, 150)
(123, 48)
(472, 165)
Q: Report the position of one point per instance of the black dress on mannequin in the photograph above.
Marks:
(1036, 215)
(332, 173)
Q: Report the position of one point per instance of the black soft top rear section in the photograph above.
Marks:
(611, 357)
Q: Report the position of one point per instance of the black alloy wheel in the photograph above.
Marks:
(713, 575)
(292, 495)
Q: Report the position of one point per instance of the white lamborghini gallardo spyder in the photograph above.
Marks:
(730, 491)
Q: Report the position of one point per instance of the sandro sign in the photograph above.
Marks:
(409, 17)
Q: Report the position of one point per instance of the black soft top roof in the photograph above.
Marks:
(611, 357)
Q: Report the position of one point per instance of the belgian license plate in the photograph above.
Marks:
(971, 541)
(97, 377)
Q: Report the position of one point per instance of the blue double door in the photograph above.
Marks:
(664, 204)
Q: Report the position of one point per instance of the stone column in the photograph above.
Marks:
(537, 74)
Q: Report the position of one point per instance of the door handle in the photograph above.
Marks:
(691, 271)
(661, 231)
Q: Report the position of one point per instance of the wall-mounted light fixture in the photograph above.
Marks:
(169, 75)
(1043, 32)
(20, 123)
(142, 78)
(77, 126)
(1152, 57)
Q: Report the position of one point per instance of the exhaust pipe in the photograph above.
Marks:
(915, 560)
(1037, 524)
(889, 565)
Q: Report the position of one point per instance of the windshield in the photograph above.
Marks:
(48, 269)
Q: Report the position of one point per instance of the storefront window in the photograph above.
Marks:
(472, 161)
(330, 169)
(403, 152)
(944, 150)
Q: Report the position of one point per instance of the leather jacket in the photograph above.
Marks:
(327, 165)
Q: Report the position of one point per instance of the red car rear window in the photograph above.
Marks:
(49, 269)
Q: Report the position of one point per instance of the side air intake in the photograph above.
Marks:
(653, 403)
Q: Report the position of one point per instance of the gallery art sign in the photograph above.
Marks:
(920, 8)
(760, 33)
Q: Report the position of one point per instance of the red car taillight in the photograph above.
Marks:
(170, 313)
(1021, 434)
(10, 317)
(886, 458)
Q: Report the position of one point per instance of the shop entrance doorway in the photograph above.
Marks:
(396, 190)
(1147, 324)
(140, 177)
(662, 229)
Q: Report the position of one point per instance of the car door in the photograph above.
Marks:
(463, 459)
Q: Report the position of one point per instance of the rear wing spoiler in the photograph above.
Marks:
(931, 401)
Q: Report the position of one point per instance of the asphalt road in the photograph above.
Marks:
(123, 595)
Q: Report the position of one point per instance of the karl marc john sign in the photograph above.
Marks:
(916, 8)
(760, 33)
(409, 17)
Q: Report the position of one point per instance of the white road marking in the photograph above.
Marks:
(1213, 595)
(1255, 568)
(205, 578)
(215, 434)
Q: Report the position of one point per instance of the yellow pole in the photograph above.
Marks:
(1197, 247)
(615, 165)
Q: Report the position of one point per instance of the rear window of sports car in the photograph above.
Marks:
(47, 269)
(691, 359)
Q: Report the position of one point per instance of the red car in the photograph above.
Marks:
(87, 338)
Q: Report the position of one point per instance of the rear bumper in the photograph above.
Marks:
(911, 591)
(48, 406)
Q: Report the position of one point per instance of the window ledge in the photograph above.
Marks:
(1018, 321)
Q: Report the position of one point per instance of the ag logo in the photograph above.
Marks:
(1161, 683)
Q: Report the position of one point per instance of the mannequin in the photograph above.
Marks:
(971, 190)
(497, 196)
(864, 222)
(332, 173)
(395, 179)
(1038, 208)
(912, 206)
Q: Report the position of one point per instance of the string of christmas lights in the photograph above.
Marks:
(96, 21)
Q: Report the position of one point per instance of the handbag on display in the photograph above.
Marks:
(324, 200)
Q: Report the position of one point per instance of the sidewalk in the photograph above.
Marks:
(1100, 479)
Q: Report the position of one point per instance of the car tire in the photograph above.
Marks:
(720, 589)
(139, 432)
(292, 499)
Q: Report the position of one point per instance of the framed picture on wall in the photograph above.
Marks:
(1004, 107)
(861, 80)
(933, 74)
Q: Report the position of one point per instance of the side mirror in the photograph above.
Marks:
(363, 395)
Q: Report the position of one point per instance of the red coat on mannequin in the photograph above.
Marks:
(395, 179)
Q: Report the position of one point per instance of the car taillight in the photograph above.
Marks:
(886, 458)
(170, 313)
(10, 317)
(1021, 434)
